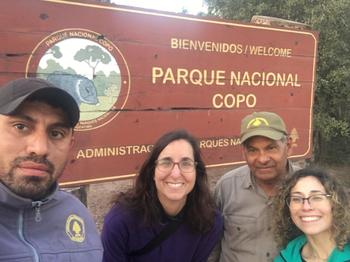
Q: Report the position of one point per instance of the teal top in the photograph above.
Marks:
(292, 253)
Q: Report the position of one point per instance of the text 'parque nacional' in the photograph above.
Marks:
(205, 77)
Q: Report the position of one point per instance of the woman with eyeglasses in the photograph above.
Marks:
(169, 214)
(312, 219)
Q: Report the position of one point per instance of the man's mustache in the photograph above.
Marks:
(35, 159)
(268, 165)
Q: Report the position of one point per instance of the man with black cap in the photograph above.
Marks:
(39, 222)
(244, 195)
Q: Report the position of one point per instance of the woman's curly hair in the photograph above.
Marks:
(284, 228)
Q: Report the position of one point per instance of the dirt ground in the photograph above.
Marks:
(98, 197)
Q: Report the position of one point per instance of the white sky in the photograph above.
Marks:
(192, 6)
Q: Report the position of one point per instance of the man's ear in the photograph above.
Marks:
(72, 140)
(289, 146)
(243, 151)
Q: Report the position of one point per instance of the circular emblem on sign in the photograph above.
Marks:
(88, 66)
(75, 228)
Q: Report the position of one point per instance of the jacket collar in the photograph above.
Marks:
(8, 198)
(294, 247)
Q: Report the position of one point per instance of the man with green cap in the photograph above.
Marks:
(244, 195)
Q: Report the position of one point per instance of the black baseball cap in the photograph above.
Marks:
(15, 92)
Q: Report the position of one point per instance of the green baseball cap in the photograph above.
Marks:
(267, 124)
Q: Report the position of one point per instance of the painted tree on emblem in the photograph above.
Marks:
(54, 51)
(112, 92)
(92, 55)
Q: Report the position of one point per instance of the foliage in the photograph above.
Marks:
(92, 55)
(332, 99)
(103, 83)
(53, 66)
(55, 52)
(100, 83)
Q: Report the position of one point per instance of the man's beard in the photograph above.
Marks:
(32, 187)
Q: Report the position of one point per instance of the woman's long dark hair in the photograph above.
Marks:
(143, 199)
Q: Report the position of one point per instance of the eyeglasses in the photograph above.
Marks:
(185, 165)
(313, 200)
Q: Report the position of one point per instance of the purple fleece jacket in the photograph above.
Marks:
(123, 232)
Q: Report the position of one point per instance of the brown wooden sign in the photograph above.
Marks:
(138, 73)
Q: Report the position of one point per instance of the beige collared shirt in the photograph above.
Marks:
(247, 213)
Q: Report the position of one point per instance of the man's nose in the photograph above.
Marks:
(263, 157)
(38, 143)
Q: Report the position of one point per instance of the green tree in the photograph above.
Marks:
(52, 66)
(54, 51)
(332, 99)
(112, 92)
(115, 80)
(332, 107)
(92, 55)
(101, 83)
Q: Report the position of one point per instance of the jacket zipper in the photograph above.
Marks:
(284, 259)
(21, 235)
(36, 205)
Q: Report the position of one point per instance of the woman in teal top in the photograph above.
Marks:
(312, 218)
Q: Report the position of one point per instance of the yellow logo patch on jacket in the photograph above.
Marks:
(75, 228)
